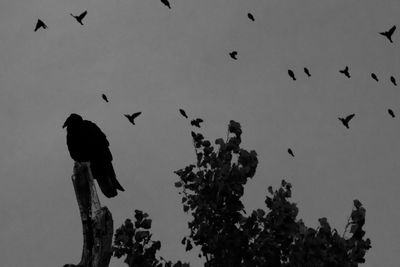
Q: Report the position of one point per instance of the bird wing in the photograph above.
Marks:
(81, 16)
(134, 115)
(39, 24)
(96, 141)
(348, 118)
(391, 31)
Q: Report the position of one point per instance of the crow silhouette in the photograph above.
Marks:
(290, 152)
(345, 72)
(87, 143)
(373, 75)
(393, 80)
(233, 54)
(132, 117)
(391, 113)
(104, 97)
(40, 24)
(388, 34)
(307, 72)
(196, 122)
(250, 16)
(183, 113)
(165, 2)
(80, 17)
(291, 74)
(346, 120)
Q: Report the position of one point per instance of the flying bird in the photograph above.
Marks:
(345, 72)
(391, 113)
(165, 2)
(346, 120)
(196, 122)
(393, 80)
(291, 74)
(183, 113)
(40, 24)
(250, 16)
(307, 72)
(87, 143)
(290, 152)
(233, 54)
(373, 75)
(104, 97)
(132, 117)
(80, 17)
(388, 34)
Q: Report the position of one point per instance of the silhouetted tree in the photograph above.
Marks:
(211, 193)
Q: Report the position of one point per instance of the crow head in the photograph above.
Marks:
(72, 119)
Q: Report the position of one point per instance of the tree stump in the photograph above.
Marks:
(97, 222)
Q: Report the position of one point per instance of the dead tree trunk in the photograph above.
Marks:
(97, 222)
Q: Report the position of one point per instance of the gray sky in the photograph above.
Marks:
(148, 58)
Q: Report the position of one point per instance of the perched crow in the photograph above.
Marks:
(393, 80)
(250, 16)
(373, 75)
(307, 72)
(80, 17)
(290, 152)
(104, 97)
(291, 74)
(233, 54)
(391, 113)
(183, 113)
(132, 117)
(345, 72)
(196, 122)
(346, 120)
(388, 34)
(165, 2)
(40, 24)
(87, 143)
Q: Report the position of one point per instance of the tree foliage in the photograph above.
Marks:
(211, 193)
(133, 240)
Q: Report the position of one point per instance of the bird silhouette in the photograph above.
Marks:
(165, 2)
(196, 122)
(233, 54)
(40, 24)
(250, 16)
(86, 142)
(132, 117)
(388, 34)
(393, 80)
(80, 17)
(290, 152)
(345, 72)
(307, 72)
(373, 75)
(104, 97)
(391, 113)
(291, 74)
(183, 113)
(346, 120)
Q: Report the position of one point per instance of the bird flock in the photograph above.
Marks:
(234, 55)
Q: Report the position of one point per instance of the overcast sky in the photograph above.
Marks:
(148, 58)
